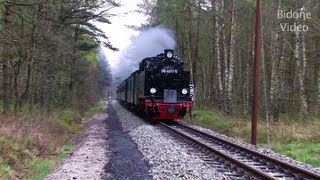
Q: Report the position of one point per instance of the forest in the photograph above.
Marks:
(216, 40)
(50, 54)
(53, 72)
(53, 75)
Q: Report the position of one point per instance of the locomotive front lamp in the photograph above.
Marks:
(184, 91)
(169, 54)
(153, 90)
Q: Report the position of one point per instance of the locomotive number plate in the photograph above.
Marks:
(169, 96)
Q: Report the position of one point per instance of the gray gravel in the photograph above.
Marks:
(168, 159)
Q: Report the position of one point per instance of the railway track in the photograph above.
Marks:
(236, 161)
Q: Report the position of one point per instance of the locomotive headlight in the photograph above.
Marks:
(153, 90)
(184, 91)
(169, 54)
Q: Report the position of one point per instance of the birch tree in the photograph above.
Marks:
(275, 74)
(300, 57)
(217, 48)
(229, 72)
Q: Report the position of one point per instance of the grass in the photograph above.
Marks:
(307, 152)
(66, 150)
(299, 140)
(210, 119)
(32, 144)
(41, 167)
(68, 119)
(98, 108)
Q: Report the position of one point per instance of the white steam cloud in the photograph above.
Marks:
(148, 43)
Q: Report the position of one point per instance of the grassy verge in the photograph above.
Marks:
(31, 145)
(299, 140)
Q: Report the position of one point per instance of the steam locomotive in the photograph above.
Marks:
(160, 89)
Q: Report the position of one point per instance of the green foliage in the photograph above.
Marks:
(92, 57)
(28, 140)
(67, 119)
(66, 150)
(98, 108)
(211, 119)
(40, 168)
(62, 76)
(87, 45)
(10, 156)
(5, 168)
(16, 157)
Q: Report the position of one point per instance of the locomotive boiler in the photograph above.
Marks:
(159, 89)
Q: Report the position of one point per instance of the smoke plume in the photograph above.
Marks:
(147, 44)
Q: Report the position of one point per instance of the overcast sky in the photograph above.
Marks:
(117, 32)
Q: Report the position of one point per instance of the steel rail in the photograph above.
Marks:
(244, 166)
(295, 170)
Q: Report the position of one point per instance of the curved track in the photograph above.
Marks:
(239, 162)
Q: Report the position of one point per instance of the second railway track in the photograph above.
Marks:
(236, 161)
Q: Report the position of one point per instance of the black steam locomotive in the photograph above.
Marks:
(159, 89)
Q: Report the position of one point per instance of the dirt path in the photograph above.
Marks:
(90, 155)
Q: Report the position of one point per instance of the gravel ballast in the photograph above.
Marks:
(168, 159)
(126, 161)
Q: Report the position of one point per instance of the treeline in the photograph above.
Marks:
(216, 39)
(50, 54)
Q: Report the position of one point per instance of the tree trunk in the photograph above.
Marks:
(189, 34)
(231, 60)
(17, 92)
(6, 67)
(275, 78)
(196, 45)
(28, 91)
(218, 54)
(300, 56)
